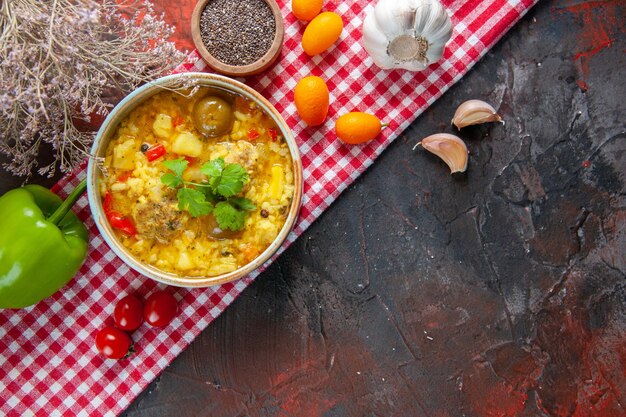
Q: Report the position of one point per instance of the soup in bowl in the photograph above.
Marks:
(197, 180)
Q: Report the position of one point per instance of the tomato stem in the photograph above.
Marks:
(131, 350)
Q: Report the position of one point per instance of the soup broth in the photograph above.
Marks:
(210, 125)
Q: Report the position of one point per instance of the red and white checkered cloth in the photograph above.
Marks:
(48, 363)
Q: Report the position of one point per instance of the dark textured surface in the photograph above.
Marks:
(497, 293)
(500, 292)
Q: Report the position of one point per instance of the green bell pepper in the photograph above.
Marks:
(42, 244)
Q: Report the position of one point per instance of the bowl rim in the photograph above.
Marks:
(109, 127)
(257, 66)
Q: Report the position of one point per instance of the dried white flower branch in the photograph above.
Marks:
(63, 61)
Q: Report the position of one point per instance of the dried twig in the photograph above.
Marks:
(60, 60)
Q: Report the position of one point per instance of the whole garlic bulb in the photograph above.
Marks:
(409, 34)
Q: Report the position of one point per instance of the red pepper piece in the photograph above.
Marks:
(273, 134)
(122, 223)
(124, 176)
(107, 205)
(253, 134)
(178, 120)
(116, 220)
(155, 152)
(189, 159)
(243, 105)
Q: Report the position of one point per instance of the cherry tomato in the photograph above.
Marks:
(160, 309)
(128, 313)
(113, 343)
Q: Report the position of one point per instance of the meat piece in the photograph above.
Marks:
(158, 220)
(243, 153)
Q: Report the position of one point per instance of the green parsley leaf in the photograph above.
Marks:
(213, 168)
(177, 166)
(194, 202)
(228, 217)
(225, 181)
(171, 180)
(210, 195)
(233, 178)
(242, 203)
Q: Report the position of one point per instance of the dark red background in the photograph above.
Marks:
(178, 13)
(477, 318)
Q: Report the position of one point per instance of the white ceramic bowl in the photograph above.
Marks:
(107, 130)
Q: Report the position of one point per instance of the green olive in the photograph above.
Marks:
(213, 116)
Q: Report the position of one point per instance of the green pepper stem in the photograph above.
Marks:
(66, 206)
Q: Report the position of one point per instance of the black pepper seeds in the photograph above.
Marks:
(237, 32)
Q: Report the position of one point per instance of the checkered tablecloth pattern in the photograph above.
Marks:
(48, 363)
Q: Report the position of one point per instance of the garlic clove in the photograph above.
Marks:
(473, 112)
(451, 149)
(377, 42)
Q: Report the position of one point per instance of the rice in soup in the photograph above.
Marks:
(197, 185)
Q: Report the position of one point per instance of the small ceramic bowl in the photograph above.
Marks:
(244, 70)
(108, 130)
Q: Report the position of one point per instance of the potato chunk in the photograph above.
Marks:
(162, 126)
(186, 143)
(124, 155)
(184, 261)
